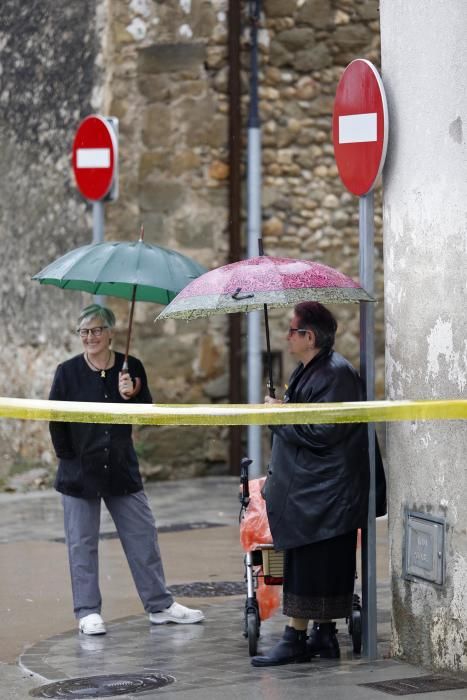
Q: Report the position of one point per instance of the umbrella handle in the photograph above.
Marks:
(137, 387)
(270, 384)
(237, 297)
(136, 381)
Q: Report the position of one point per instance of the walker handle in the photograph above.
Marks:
(244, 464)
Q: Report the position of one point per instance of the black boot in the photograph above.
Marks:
(291, 649)
(323, 641)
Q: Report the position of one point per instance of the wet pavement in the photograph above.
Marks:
(198, 525)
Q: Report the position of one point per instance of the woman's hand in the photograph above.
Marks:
(269, 399)
(125, 385)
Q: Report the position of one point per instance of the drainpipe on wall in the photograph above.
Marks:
(235, 128)
(255, 393)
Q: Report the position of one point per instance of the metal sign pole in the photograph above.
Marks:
(367, 370)
(98, 234)
(254, 233)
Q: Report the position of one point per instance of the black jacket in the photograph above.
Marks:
(318, 480)
(95, 459)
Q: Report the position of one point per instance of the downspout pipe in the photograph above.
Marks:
(254, 364)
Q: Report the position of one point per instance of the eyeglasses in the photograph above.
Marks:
(96, 331)
(291, 331)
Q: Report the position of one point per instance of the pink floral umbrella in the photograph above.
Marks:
(257, 283)
(249, 284)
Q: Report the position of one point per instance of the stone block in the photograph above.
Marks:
(121, 35)
(196, 117)
(212, 132)
(339, 219)
(218, 170)
(221, 81)
(162, 446)
(306, 88)
(208, 362)
(216, 56)
(217, 388)
(156, 229)
(296, 39)
(313, 59)
(172, 58)
(195, 232)
(216, 198)
(368, 10)
(306, 158)
(184, 161)
(119, 108)
(161, 196)
(351, 37)
(155, 88)
(152, 162)
(322, 105)
(278, 54)
(270, 196)
(157, 125)
(273, 227)
(202, 19)
(318, 13)
(279, 8)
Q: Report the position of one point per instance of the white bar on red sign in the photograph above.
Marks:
(358, 128)
(93, 158)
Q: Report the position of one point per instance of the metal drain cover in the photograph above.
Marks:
(103, 686)
(418, 684)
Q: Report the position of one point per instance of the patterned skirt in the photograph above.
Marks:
(319, 578)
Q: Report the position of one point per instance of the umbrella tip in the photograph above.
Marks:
(141, 233)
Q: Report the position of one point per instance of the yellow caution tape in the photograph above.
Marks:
(233, 414)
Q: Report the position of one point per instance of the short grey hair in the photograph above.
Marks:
(102, 313)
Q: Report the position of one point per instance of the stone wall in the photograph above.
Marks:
(164, 76)
(307, 212)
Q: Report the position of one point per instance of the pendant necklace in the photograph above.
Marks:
(102, 370)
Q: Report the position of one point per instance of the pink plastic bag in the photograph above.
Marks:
(254, 526)
(269, 598)
(254, 532)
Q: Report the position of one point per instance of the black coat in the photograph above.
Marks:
(95, 459)
(318, 480)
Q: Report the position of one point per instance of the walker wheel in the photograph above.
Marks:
(355, 630)
(253, 632)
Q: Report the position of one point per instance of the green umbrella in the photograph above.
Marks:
(135, 271)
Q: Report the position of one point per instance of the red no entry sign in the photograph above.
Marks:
(360, 126)
(95, 155)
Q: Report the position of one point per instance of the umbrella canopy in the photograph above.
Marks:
(257, 283)
(127, 270)
(250, 284)
(134, 270)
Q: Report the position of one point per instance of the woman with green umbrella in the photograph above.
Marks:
(99, 462)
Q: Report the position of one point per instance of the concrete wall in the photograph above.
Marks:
(424, 59)
(51, 56)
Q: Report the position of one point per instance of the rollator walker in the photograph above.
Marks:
(266, 563)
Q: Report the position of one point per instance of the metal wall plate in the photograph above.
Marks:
(424, 556)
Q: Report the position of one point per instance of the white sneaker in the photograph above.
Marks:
(176, 613)
(92, 624)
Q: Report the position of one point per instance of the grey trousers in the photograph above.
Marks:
(136, 529)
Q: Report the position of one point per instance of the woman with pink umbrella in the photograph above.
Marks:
(316, 493)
